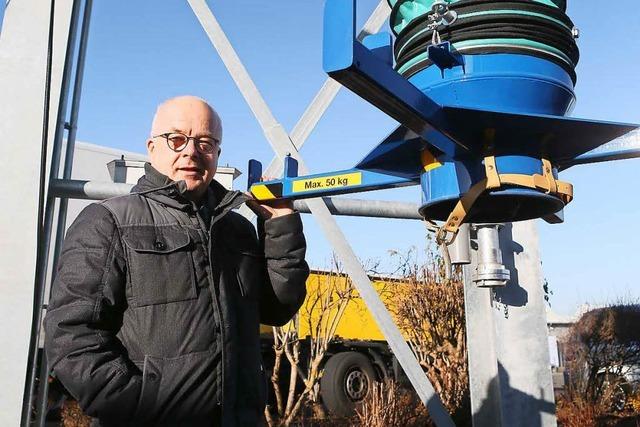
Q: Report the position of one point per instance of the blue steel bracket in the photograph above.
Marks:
(290, 167)
(255, 173)
(255, 170)
(445, 56)
(356, 67)
(380, 44)
(397, 161)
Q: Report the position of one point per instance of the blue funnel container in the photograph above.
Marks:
(503, 56)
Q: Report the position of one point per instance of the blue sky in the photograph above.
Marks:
(143, 52)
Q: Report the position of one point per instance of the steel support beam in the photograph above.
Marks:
(72, 127)
(96, 190)
(282, 145)
(23, 60)
(44, 239)
(509, 368)
(366, 208)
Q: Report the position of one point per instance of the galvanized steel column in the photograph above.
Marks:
(509, 368)
(23, 57)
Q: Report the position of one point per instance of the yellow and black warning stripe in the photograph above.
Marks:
(267, 191)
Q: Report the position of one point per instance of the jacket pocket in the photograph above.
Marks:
(149, 391)
(160, 262)
(181, 390)
(250, 272)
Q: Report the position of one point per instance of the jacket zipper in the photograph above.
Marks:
(235, 201)
(216, 306)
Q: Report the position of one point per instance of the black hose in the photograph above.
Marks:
(564, 43)
(470, 6)
(500, 23)
(547, 25)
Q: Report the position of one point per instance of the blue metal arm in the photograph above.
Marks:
(323, 184)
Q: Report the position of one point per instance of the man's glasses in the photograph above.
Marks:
(178, 142)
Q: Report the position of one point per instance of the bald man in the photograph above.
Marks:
(155, 309)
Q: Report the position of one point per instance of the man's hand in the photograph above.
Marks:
(267, 209)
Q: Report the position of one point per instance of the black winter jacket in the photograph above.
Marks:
(154, 317)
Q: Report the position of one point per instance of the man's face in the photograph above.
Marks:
(192, 117)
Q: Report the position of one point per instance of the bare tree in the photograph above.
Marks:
(320, 315)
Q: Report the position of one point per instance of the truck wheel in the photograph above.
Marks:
(347, 378)
(617, 390)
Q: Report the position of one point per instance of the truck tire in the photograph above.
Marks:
(616, 389)
(346, 380)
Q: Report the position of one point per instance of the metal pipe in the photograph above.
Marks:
(43, 390)
(43, 248)
(92, 190)
(490, 271)
(96, 190)
(459, 250)
(73, 125)
(368, 208)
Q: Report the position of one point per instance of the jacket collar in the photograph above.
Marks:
(163, 189)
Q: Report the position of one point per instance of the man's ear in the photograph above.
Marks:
(150, 145)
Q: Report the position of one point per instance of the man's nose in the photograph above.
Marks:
(190, 148)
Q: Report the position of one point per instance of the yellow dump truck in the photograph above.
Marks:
(358, 353)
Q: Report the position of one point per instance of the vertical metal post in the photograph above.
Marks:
(23, 67)
(43, 245)
(509, 369)
(526, 384)
(72, 126)
(481, 350)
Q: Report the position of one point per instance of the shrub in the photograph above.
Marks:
(598, 350)
(430, 312)
(389, 405)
